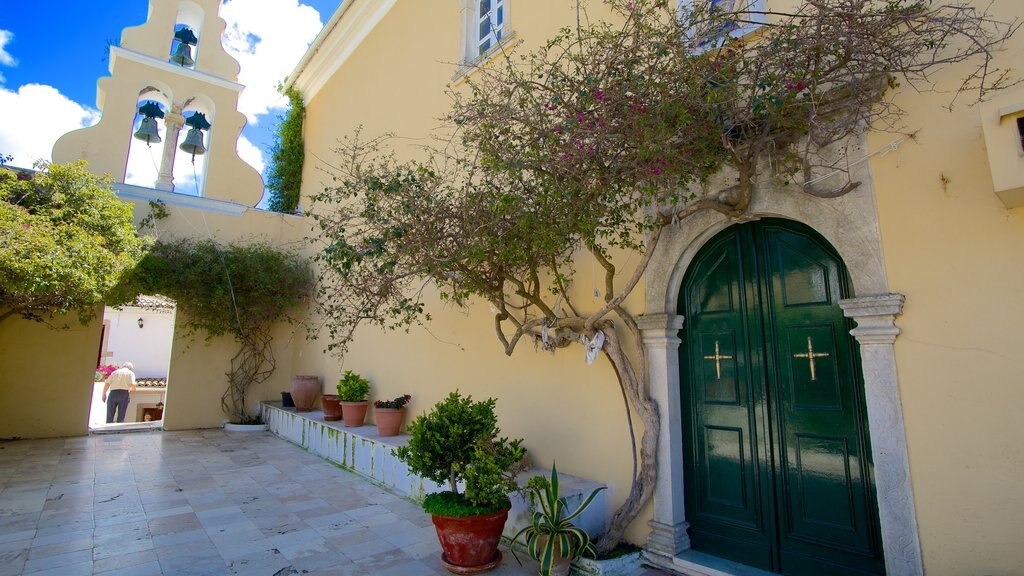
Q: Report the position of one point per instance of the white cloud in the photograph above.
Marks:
(34, 117)
(250, 153)
(5, 57)
(267, 42)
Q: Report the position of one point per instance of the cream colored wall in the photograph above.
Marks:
(46, 377)
(955, 251)
(566, 411)
(196, 376)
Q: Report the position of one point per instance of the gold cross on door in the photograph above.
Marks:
(718, 357)
(811, 355)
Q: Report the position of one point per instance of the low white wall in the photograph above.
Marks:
(363, 451)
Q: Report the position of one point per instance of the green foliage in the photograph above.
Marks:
(551, 527)
(65, 241)
(352, 387)
(239, 290)
(455, 505)
(231, 289)
(458, 440)
(287, 154)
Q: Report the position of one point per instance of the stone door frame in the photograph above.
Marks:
(850, 224)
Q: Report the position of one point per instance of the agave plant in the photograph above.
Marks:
(551, 529)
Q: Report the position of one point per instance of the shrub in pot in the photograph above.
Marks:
(551, 538)
(388, 415)
(458, 441)
(352, 391)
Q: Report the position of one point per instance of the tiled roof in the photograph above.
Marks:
(151, 382)
(154, 302)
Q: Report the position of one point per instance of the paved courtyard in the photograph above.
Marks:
(203, 502)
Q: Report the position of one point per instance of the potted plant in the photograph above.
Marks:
(457, 442)
(352, 391)
(389, 413)
(551, 538)
(332, 407)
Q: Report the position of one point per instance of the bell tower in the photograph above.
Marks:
(168, 75)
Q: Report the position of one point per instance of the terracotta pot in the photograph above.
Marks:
(470, 542)
(354, 412)
(304, 391)
(332, 407)
(389, 420)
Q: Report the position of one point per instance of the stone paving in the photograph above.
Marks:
(203, 502)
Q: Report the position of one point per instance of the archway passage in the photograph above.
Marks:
(777, 463)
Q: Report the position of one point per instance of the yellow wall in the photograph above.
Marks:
(950, 246)
(955, 251)
(566, 411)
(196, 376)
(46, 392)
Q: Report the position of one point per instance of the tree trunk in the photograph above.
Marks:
(645, 472)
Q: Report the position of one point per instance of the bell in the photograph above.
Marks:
(193, 143)
(148, 132)
(183, 55)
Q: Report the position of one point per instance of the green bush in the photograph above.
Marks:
(65, 242)
(458, 441)
(352, 387)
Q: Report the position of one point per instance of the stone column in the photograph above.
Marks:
(173, 121)
(668, 527)
(876, 333)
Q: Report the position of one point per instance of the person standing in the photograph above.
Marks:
(117, 391)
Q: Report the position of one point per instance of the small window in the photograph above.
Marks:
(711, 35)
(490, 24)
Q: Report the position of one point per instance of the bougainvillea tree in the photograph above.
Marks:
(602, 137)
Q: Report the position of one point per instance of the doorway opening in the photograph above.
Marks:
(142, 334)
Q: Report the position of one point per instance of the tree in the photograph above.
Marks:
(598, 141)
(239, 290)
(287, 156)
(65, 241)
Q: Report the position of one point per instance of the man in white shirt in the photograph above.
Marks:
(120, 384)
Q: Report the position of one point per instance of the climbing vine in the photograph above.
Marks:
(240, 290)
(287, 156)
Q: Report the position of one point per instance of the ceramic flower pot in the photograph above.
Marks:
(389, 420)
(332, 407)
(304, 391)
(470, 544)
(354, 413)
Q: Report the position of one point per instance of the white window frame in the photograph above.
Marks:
(756, 20)
(471, 19)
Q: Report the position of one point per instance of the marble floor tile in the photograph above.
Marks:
(203, 503)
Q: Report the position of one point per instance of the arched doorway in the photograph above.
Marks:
(777, 458)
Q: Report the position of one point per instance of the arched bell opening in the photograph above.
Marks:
(188, 29)
(148, 134)
(193, 146)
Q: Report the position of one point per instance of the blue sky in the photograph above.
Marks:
(52, 52)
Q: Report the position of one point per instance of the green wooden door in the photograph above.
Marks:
(778, 466)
